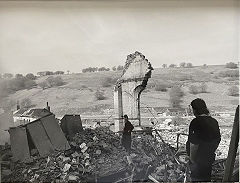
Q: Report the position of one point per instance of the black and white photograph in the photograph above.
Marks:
(119, 91)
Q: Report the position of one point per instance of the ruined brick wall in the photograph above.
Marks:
(137, 71)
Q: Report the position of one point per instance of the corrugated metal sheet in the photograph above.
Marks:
(40, 138)
(55, 133)
(19, 144)
(71, 124)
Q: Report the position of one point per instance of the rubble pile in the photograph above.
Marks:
(169, 134)
(92, 153)
(166, 166)
(98, 153)
(222, 151)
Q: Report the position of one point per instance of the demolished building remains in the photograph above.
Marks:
(43, 135)
(127, 91)
(46, 151)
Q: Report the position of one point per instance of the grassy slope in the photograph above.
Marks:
(77, 95)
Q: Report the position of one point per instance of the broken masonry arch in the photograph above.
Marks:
(128, 89)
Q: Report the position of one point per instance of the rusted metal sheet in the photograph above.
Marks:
(54, 133)
(71, 124)
(40, 138)
(19, 144)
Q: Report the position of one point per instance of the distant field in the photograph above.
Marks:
(77, 95)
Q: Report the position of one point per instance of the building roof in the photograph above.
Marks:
(32, 113)
(20, 112)
(37, 113)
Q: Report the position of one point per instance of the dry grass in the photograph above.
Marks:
(77, 95)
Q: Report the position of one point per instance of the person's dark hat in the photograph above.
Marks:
(125, 116)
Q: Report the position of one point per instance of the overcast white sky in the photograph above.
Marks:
(38, 36)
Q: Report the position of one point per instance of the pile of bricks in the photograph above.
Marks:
(98, 153)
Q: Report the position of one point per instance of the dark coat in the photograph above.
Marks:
(126, 139)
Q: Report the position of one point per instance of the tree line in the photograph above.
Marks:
(30, 75)
(182, 64)
(19, 82)
(230, 65)
(96, 69)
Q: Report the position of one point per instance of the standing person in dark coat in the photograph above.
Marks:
(126, 138)
(203, 140)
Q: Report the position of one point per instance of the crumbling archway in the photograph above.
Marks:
(127, 91)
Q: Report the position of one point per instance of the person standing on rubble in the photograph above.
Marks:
(203, 140)
(126, 138)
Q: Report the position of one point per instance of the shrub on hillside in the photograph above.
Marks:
(103, 69)
(195, 89)
(114, 68)
(49, 73)
(29, 84)
(176, 95)
(90, 69)
(55, 81)
(51, 82)
(7, 75)
(189, 65)
(182, 64)
(30, 76)
(84, 87)
(107, 82)
(18, 76)
(184, 77)
(120, 67)
(164, 65)
(100, 95)
(233, 91)
(26, 103)
(15, 84)
(59, 72)
(231, 65)
(203, 88)
(44, 85)
(161, 87)
(151, 85)
(172, 66)
(229, 73)
(7, 104)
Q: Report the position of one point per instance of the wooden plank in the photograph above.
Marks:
(19, 144)
(232, 149)
(55, 133)
(40, 138)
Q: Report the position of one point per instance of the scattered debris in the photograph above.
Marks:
(97, 155)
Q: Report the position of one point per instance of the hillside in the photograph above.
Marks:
(77, 95)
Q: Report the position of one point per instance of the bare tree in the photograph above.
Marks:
(172, 65)
(182, 64)
(189, 65)
(176, 95)
(164, 65)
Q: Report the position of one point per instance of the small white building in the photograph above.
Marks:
(23, 116)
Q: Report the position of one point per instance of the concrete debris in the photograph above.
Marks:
(101, 159)
(170, 136)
